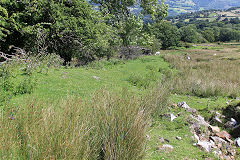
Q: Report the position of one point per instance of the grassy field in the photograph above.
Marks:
(111, 109)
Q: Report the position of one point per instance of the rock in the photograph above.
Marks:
(214, 129)
(191, 110)
(95, 77)
(206, 146)
(223, 135)
(230, 124)
(196, 128)
(218, 120)
(229, 140)
(162, 140)
(218, 140)
(183, 105)
(165, 147)
(157, 53)
(189, 58)
(237, 142)
(148, 137)
(200, 120)
(178, 138)
(172, 117)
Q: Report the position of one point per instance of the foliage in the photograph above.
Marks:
(189, 34)
(167, 34)
(70, 29)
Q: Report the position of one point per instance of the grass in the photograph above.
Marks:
(106, 127)
(69, 116)
(106, 109)
(207, 73)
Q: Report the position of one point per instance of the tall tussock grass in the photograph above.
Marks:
(108, 126)
(205, 75)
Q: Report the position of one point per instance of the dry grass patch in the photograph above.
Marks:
(207, 72)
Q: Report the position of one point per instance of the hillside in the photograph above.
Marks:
(185, 6)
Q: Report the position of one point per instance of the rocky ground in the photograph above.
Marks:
(218, 136)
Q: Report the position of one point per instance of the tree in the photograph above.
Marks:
(68, 28)
(226, 35)
(124, 20)
(208, 34)
(167, 34)
(189, 34)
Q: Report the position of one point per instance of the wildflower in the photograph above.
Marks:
(10, 117)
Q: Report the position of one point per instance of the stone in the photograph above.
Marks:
(204, 145)
(165, 147)
(191, 110)
(161, 139)
(218, 140)
(172, 117)
(157, 53)
(95, 77)
(230, 124)
(214, 129)
(218, 120)
(178, 138)
(223, 135)
(200, 120)
(196, 127)
(183, 105)
(229, 140)
(148, 137)
(237, 142)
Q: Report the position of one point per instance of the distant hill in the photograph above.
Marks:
(231, 15)
(184, 6)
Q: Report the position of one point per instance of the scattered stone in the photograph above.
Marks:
(214, 129)
(189, 58)
(95, 77)
(229, 140)
(196, 128)
(162, 140)
(178, 138)
(230, 124)
(165, 147)
(191, 110)
(223, 135)
(157, 53)
(200, 120)
(172, 117)
(218, 140)
(218, 120)
(206, 146)
(214, 54)
(148, 137)
(183, 105)
(237, 142)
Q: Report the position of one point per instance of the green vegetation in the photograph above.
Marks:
(84, 83)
